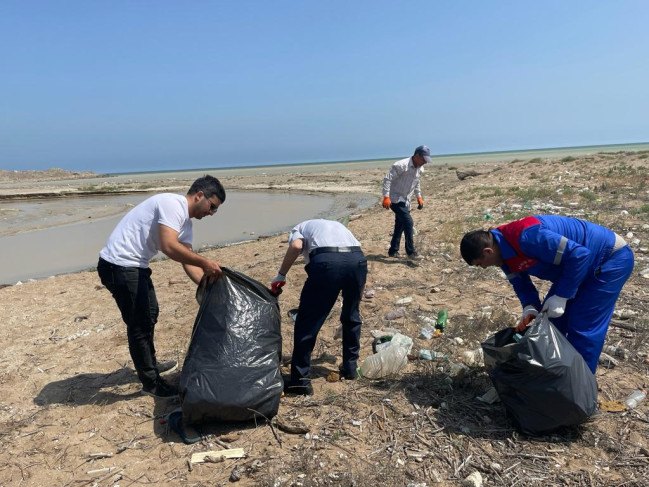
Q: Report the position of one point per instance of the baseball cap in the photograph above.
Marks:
(424, 152)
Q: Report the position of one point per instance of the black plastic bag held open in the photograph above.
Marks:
(543, 382)
(231, 372)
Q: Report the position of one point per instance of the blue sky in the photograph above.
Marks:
(132, 85)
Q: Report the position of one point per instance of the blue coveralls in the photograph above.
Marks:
(580, 260)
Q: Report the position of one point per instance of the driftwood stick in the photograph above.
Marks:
(619, 324)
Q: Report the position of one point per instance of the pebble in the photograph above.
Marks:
(473, 480)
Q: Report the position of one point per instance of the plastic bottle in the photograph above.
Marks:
(388, 361)
(426, 354)
(635, 398)
(442, 318)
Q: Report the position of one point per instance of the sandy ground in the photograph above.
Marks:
(71, 412)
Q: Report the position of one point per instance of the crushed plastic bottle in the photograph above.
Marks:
(442, 318)
(426, 333)
(388, 361)
(635, 398)
(426, 354)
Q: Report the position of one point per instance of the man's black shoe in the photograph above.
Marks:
(303, 388)
(167, 367)
(394, 254)
(160, 390)
(347, 375)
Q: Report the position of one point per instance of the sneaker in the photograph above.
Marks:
(304, 388)
(167, 367)
(160, 390)
(415, 256)
(395, 255)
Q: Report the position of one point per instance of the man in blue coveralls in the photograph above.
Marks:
(334, 263)
(586, 263)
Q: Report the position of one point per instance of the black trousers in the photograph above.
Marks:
(134, 294)
(328, 275)
(402, 224)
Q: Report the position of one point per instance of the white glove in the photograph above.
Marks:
(555, 306)
(529, 310)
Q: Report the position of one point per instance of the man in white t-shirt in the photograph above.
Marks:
(160, 223)
(334, 264)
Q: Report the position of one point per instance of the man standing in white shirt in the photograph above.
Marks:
(334, 263)
(160, 223)
(399, 185)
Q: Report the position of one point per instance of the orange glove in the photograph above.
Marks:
(524, 323)
(277, 283)
(386, 202)
(420, 203)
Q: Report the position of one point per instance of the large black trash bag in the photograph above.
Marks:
(542, 380)
(231, 371)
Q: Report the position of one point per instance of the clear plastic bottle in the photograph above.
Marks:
(388, 361)
(635, 398)
(426, 354)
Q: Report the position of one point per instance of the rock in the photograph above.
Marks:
(473, 480)
(395, 314)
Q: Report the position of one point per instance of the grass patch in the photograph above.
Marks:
(568, 159)
(588, 195)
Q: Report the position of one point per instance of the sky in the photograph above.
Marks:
(127, 86)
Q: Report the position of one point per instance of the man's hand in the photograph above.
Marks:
(277, 283)
(420, 203)
(386, 202)
(212, 270)
(529, 313)
(555, 306)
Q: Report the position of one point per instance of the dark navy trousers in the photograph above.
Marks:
(402, 224)
(329, 274)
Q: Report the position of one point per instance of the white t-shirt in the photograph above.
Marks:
(322, 233)
(136, 238)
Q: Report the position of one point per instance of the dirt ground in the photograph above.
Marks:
(71, 412)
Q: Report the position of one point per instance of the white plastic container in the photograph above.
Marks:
(387, 362)
(635, 398)
(473, 358)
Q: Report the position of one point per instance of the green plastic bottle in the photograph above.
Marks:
(442, 317)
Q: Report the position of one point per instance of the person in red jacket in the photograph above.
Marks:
(587, 264)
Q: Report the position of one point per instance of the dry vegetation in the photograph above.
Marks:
(71, 413)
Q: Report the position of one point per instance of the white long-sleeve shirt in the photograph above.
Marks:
(402, 181)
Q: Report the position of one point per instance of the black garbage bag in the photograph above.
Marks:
(231, 371)
(543, 382)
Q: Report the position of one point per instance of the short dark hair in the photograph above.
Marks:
(210, 186)
(473, 243)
